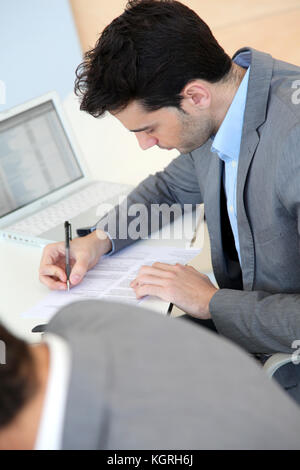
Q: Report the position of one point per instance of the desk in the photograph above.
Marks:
(21, 289)
(20, 286)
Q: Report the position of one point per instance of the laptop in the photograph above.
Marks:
(43, 177)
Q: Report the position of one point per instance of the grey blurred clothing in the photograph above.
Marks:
(143, 381)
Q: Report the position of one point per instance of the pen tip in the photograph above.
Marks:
(68, 285)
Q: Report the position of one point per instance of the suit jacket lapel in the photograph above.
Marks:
(255, 114)
(245, 233)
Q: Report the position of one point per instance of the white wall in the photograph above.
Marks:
(39, 49)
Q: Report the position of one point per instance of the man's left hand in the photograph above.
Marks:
(184, 286)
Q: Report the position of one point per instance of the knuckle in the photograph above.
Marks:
(50, 247)
(165, 283)
(140, 289)
(169, 291)
(177, 269)
(168, 284)
(142, 270)
(172, 275)
(83, 255)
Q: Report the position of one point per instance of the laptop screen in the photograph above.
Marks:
(36, 157)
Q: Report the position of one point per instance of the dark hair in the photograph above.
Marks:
(149, 53)
(17, 376)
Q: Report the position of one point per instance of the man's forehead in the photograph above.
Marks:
(137, 119)
(134, 108)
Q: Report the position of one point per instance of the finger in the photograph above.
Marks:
(149, 279)
(79, 269)
(161, 270)
(149, 289)
(52, 283)
(50, 270)
(167, 267)
(156, 271)
(52, 252)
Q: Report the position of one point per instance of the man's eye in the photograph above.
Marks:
(150, 131)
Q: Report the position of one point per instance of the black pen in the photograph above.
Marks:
(68, 238)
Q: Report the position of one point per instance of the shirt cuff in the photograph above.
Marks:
(111, 252)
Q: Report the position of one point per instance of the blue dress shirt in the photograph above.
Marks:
(227, 143)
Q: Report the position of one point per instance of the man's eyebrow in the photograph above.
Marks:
(141, 129)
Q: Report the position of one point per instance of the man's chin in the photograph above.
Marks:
(166, 148)
(190, 149)
(186, 150)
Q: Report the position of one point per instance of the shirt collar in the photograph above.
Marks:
(50, 430)
(227, 141)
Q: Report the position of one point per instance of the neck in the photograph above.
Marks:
(21, 433)
(225, 93)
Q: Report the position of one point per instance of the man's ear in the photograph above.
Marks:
(196, 94)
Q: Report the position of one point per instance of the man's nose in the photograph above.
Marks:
(145, 141)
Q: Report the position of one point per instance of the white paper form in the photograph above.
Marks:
(110, 278)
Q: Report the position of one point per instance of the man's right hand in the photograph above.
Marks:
(85, 252)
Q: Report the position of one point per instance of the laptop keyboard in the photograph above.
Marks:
(70, 207)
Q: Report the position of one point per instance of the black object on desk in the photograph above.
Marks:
(68, 238)
(39, 329)
(170, 309)
(82, 232)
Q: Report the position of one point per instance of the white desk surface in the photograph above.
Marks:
(20, 286)
(21, 289)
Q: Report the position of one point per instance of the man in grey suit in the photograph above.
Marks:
(107, 377)
(236, 122)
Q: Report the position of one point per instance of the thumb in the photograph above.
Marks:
(79, 270)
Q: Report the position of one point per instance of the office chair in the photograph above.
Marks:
(275, 362)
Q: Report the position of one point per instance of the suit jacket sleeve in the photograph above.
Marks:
(177, 184)
(263, 322)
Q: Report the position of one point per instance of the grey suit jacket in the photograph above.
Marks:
(262, 314)
(143, 381)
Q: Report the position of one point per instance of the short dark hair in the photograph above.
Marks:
(18, 381)
(149, 53)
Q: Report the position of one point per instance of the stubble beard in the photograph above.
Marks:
(194, 132)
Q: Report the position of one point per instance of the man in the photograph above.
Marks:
(107, 377)
(158, 69)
